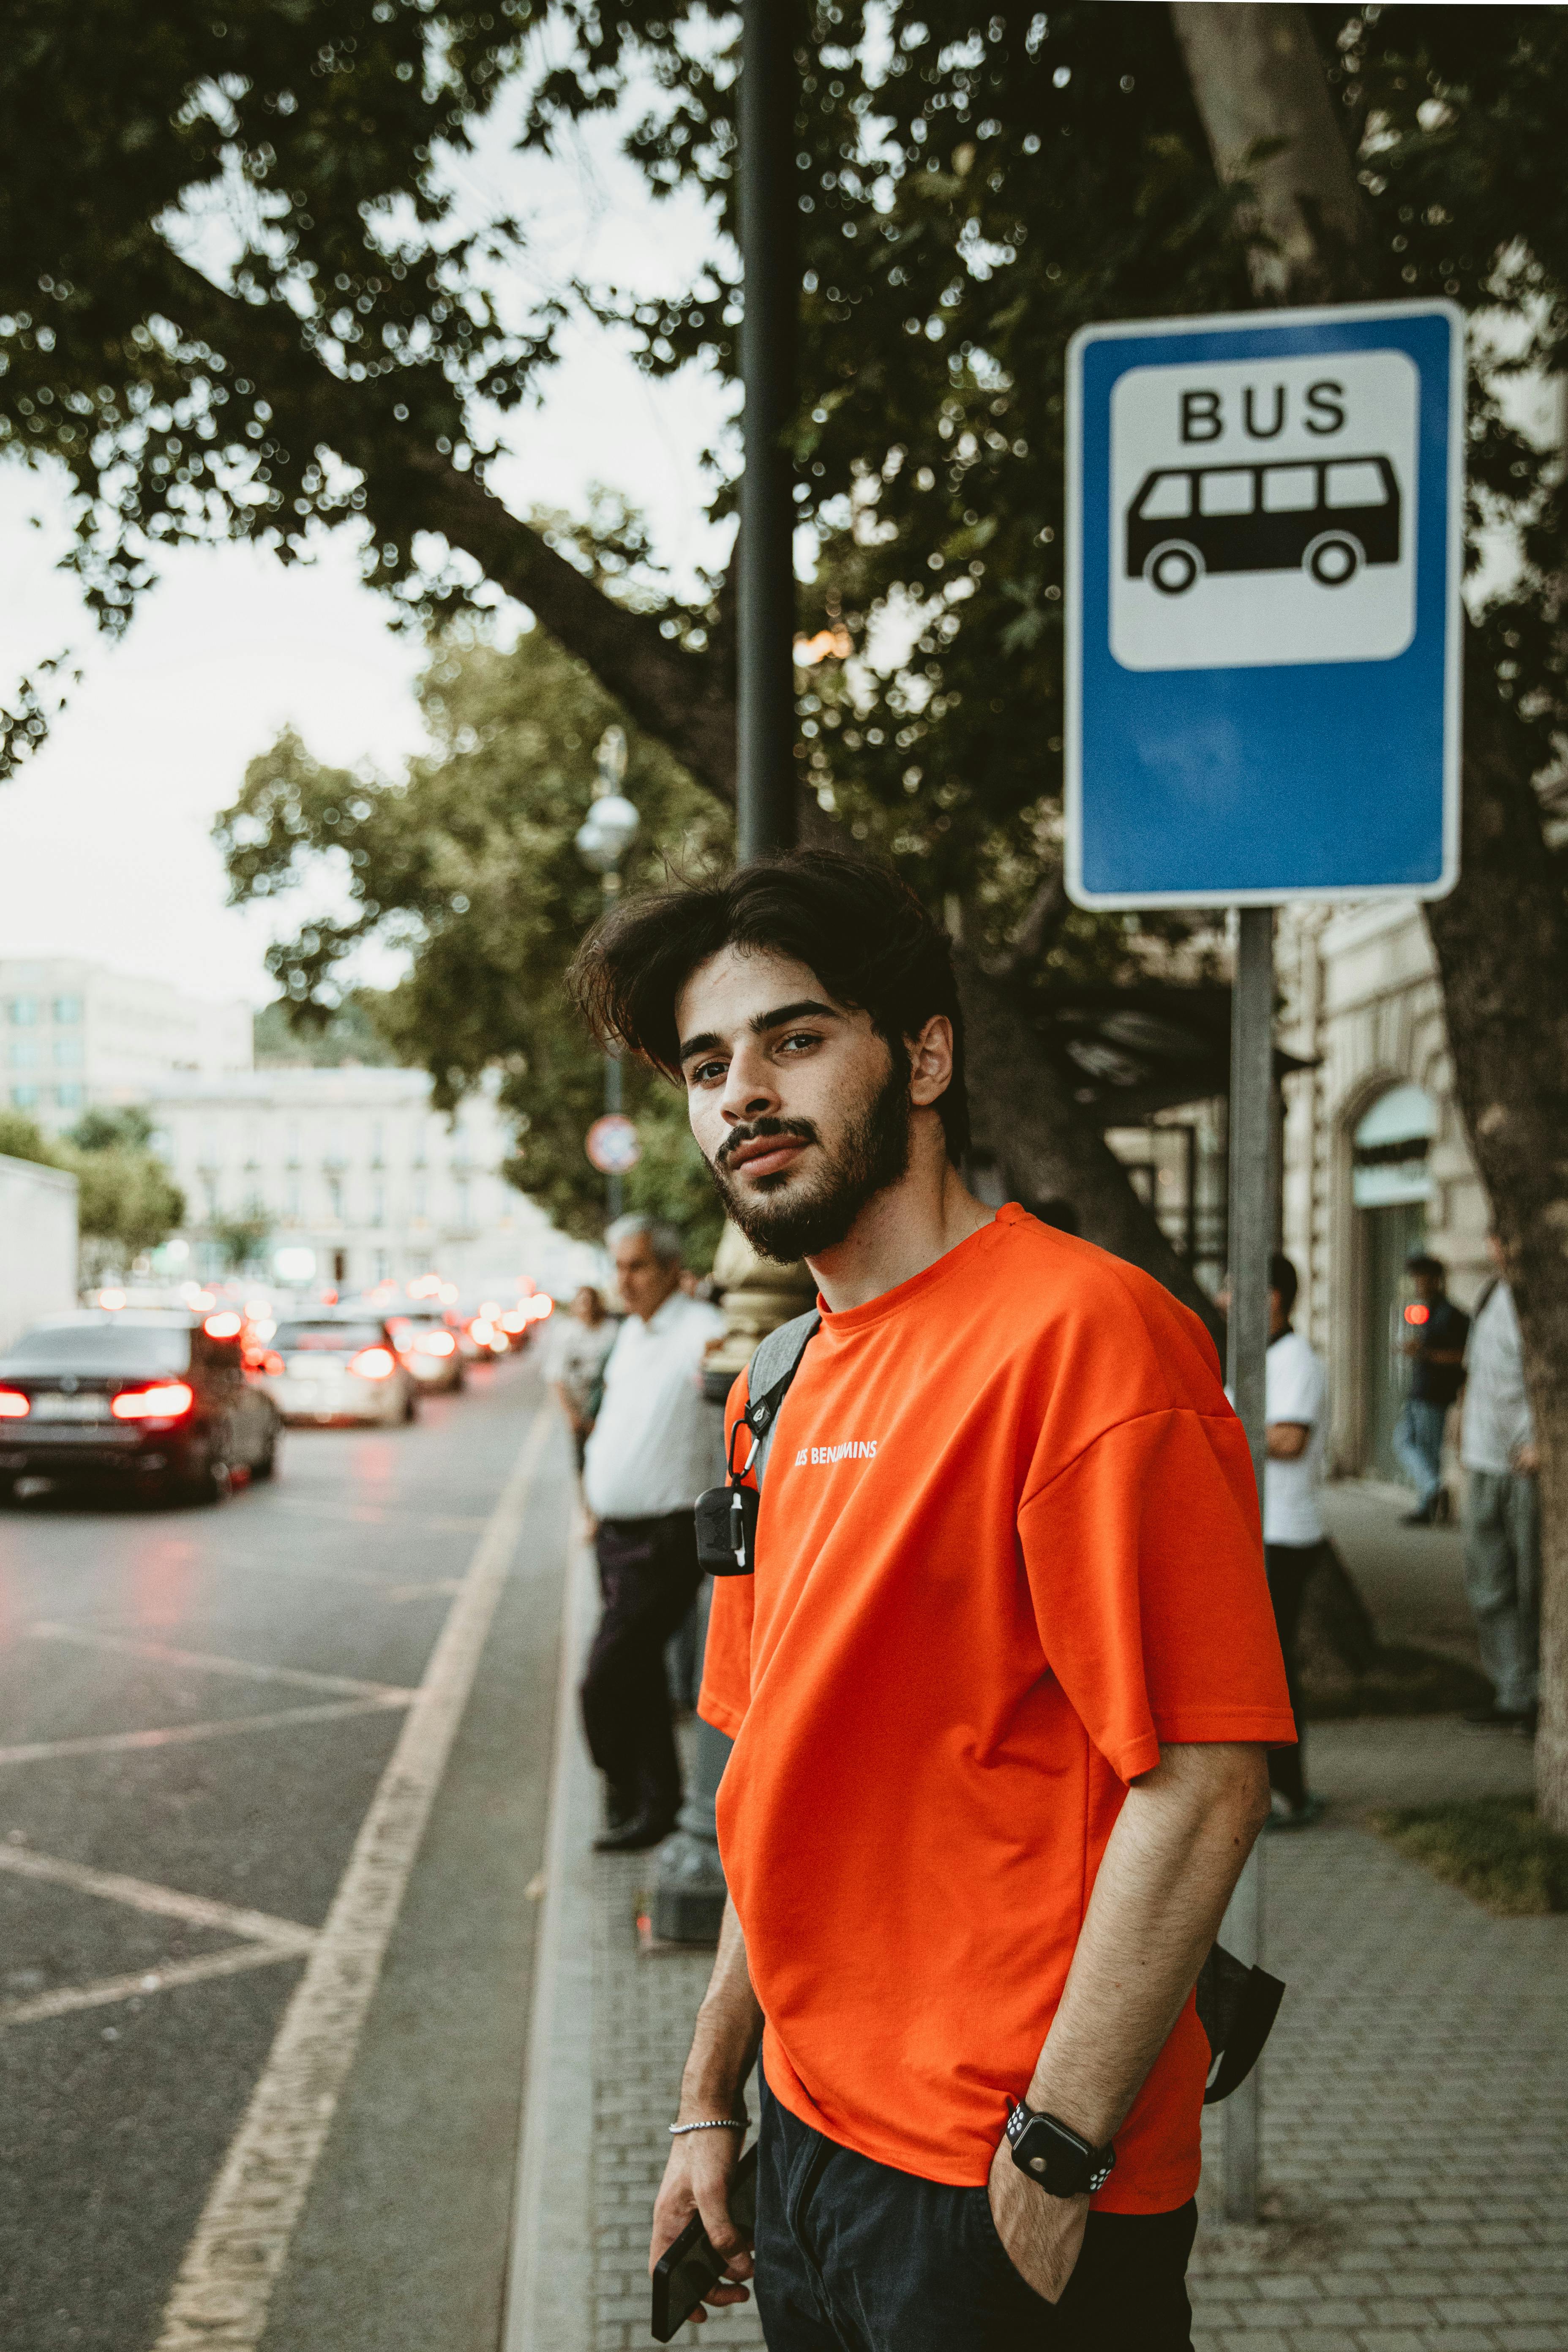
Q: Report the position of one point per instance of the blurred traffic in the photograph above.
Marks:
(167, 1393)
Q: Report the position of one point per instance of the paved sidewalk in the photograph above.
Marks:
(1415, 2135)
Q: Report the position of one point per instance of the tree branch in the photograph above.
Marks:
(674, 693)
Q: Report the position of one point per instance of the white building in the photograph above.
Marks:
(1375, 1160)
(353, 1165)
(75, 1035)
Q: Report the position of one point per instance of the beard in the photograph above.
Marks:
(809, 1217)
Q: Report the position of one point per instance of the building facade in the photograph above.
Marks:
(353, 1165)
(1374, 1159)
(75, 1036)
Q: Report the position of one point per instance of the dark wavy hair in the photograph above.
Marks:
(848, 919)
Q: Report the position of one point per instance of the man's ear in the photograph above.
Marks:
(931, 1061)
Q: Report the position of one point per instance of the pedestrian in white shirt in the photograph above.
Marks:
(648, 1458)
(1295, 1396)
(1502, 1508)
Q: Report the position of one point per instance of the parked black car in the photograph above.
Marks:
(158, 1398)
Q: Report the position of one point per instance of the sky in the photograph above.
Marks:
(104, 835)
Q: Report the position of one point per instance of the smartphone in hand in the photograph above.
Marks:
(689, 2265)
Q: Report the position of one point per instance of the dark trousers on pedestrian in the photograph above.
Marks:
(1502, 1581)
(855, 2257)
(1290, 1565)
(647, 1576)
(1418, 1445)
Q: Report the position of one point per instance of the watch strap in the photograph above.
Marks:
(1099, 2163)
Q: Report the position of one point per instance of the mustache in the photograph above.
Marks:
(757, 1130)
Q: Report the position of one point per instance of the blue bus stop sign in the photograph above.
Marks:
(1265, 517)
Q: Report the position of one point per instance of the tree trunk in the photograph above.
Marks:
(1501, 942)
(1258, 83)
(1023, 1113)
(1502, 937)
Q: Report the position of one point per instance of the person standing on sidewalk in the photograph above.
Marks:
(1435, 1335)
(578, 1352)
(1000, 1686)
(649, 1456)
(1295, 1398)
(1502, 1508)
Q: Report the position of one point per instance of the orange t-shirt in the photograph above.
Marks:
(1009, 1544)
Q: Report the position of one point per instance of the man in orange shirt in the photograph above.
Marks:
(999, 1688)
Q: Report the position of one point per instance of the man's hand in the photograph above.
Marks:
(696, 2180)
(1526, 1460)
(1043, 2235)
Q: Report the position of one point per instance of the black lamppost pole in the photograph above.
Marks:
(766, 795)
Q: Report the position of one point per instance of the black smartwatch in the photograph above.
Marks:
(1055, 2158)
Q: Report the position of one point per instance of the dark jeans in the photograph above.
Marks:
(1418, 1445)
(648, 1577)
(855, 2257)
(1290, 1565)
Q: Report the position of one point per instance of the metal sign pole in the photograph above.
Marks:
(1251, 1240)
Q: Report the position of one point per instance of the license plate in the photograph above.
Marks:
(69, 1408)
(313, 1368)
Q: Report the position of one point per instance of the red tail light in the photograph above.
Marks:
(374, 1363)
(168, 1401)
(14, 1405)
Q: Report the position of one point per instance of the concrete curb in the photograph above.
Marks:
(550, 2274)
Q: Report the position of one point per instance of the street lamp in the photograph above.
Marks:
(603, 840)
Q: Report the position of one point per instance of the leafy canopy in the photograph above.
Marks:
(245, 289)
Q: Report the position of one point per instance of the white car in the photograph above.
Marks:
(336, 1365)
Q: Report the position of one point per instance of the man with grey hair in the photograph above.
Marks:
(649, 1457)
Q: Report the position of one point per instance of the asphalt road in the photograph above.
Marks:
(128, 1867)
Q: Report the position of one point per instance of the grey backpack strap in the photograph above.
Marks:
(773, 1365)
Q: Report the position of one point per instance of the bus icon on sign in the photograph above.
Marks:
(1327, 519)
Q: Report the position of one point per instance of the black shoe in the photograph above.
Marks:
(620, 1806)
(635, 1836)
(1422, 1518)
(1496, 1718)
(1526, 1723)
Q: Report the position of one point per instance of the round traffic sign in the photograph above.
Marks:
(614, 1145)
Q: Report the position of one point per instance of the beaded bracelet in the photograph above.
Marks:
(712, 2123)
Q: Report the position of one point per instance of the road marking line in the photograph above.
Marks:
(37, 2007)
(129, 1645)
(178, 1735)
(142, 1894)
(549, 2288)
(226, 2282)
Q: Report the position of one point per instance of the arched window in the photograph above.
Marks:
(1388, 1158)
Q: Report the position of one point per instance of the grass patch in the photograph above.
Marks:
(1493, 1848)
(1396, 1681)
